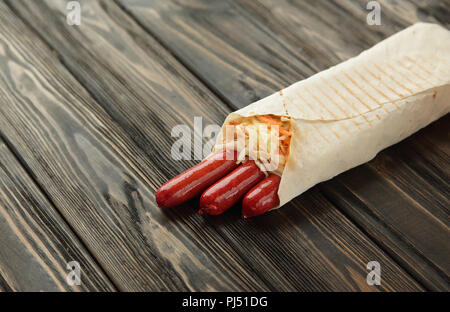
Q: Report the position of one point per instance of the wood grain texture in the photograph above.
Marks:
(99, 179)
(260, 45)
(290, 250)
(223, 45)
(36, 244)
(4, 287)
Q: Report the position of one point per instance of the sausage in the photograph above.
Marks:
(229, 190)
(193, 181)
(262, 197)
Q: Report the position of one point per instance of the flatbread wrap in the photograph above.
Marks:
(342, 117)
(277, 148)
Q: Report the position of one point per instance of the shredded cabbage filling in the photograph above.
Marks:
(263, 138)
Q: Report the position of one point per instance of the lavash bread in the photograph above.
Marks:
(342, 117)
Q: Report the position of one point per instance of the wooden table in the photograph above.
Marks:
(86, 114)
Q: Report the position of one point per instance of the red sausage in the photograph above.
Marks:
(227, 191)
(193, 181)
(262, 197)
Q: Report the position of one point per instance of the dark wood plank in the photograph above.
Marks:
(36, 243)
(279, 35)
(220, 42)
(100, 180)
(301, 253)
(4, 287)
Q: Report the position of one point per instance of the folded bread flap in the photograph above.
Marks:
(342, 117)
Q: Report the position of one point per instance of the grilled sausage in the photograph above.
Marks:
(193, 181)
(262, 197)
(229, 190)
